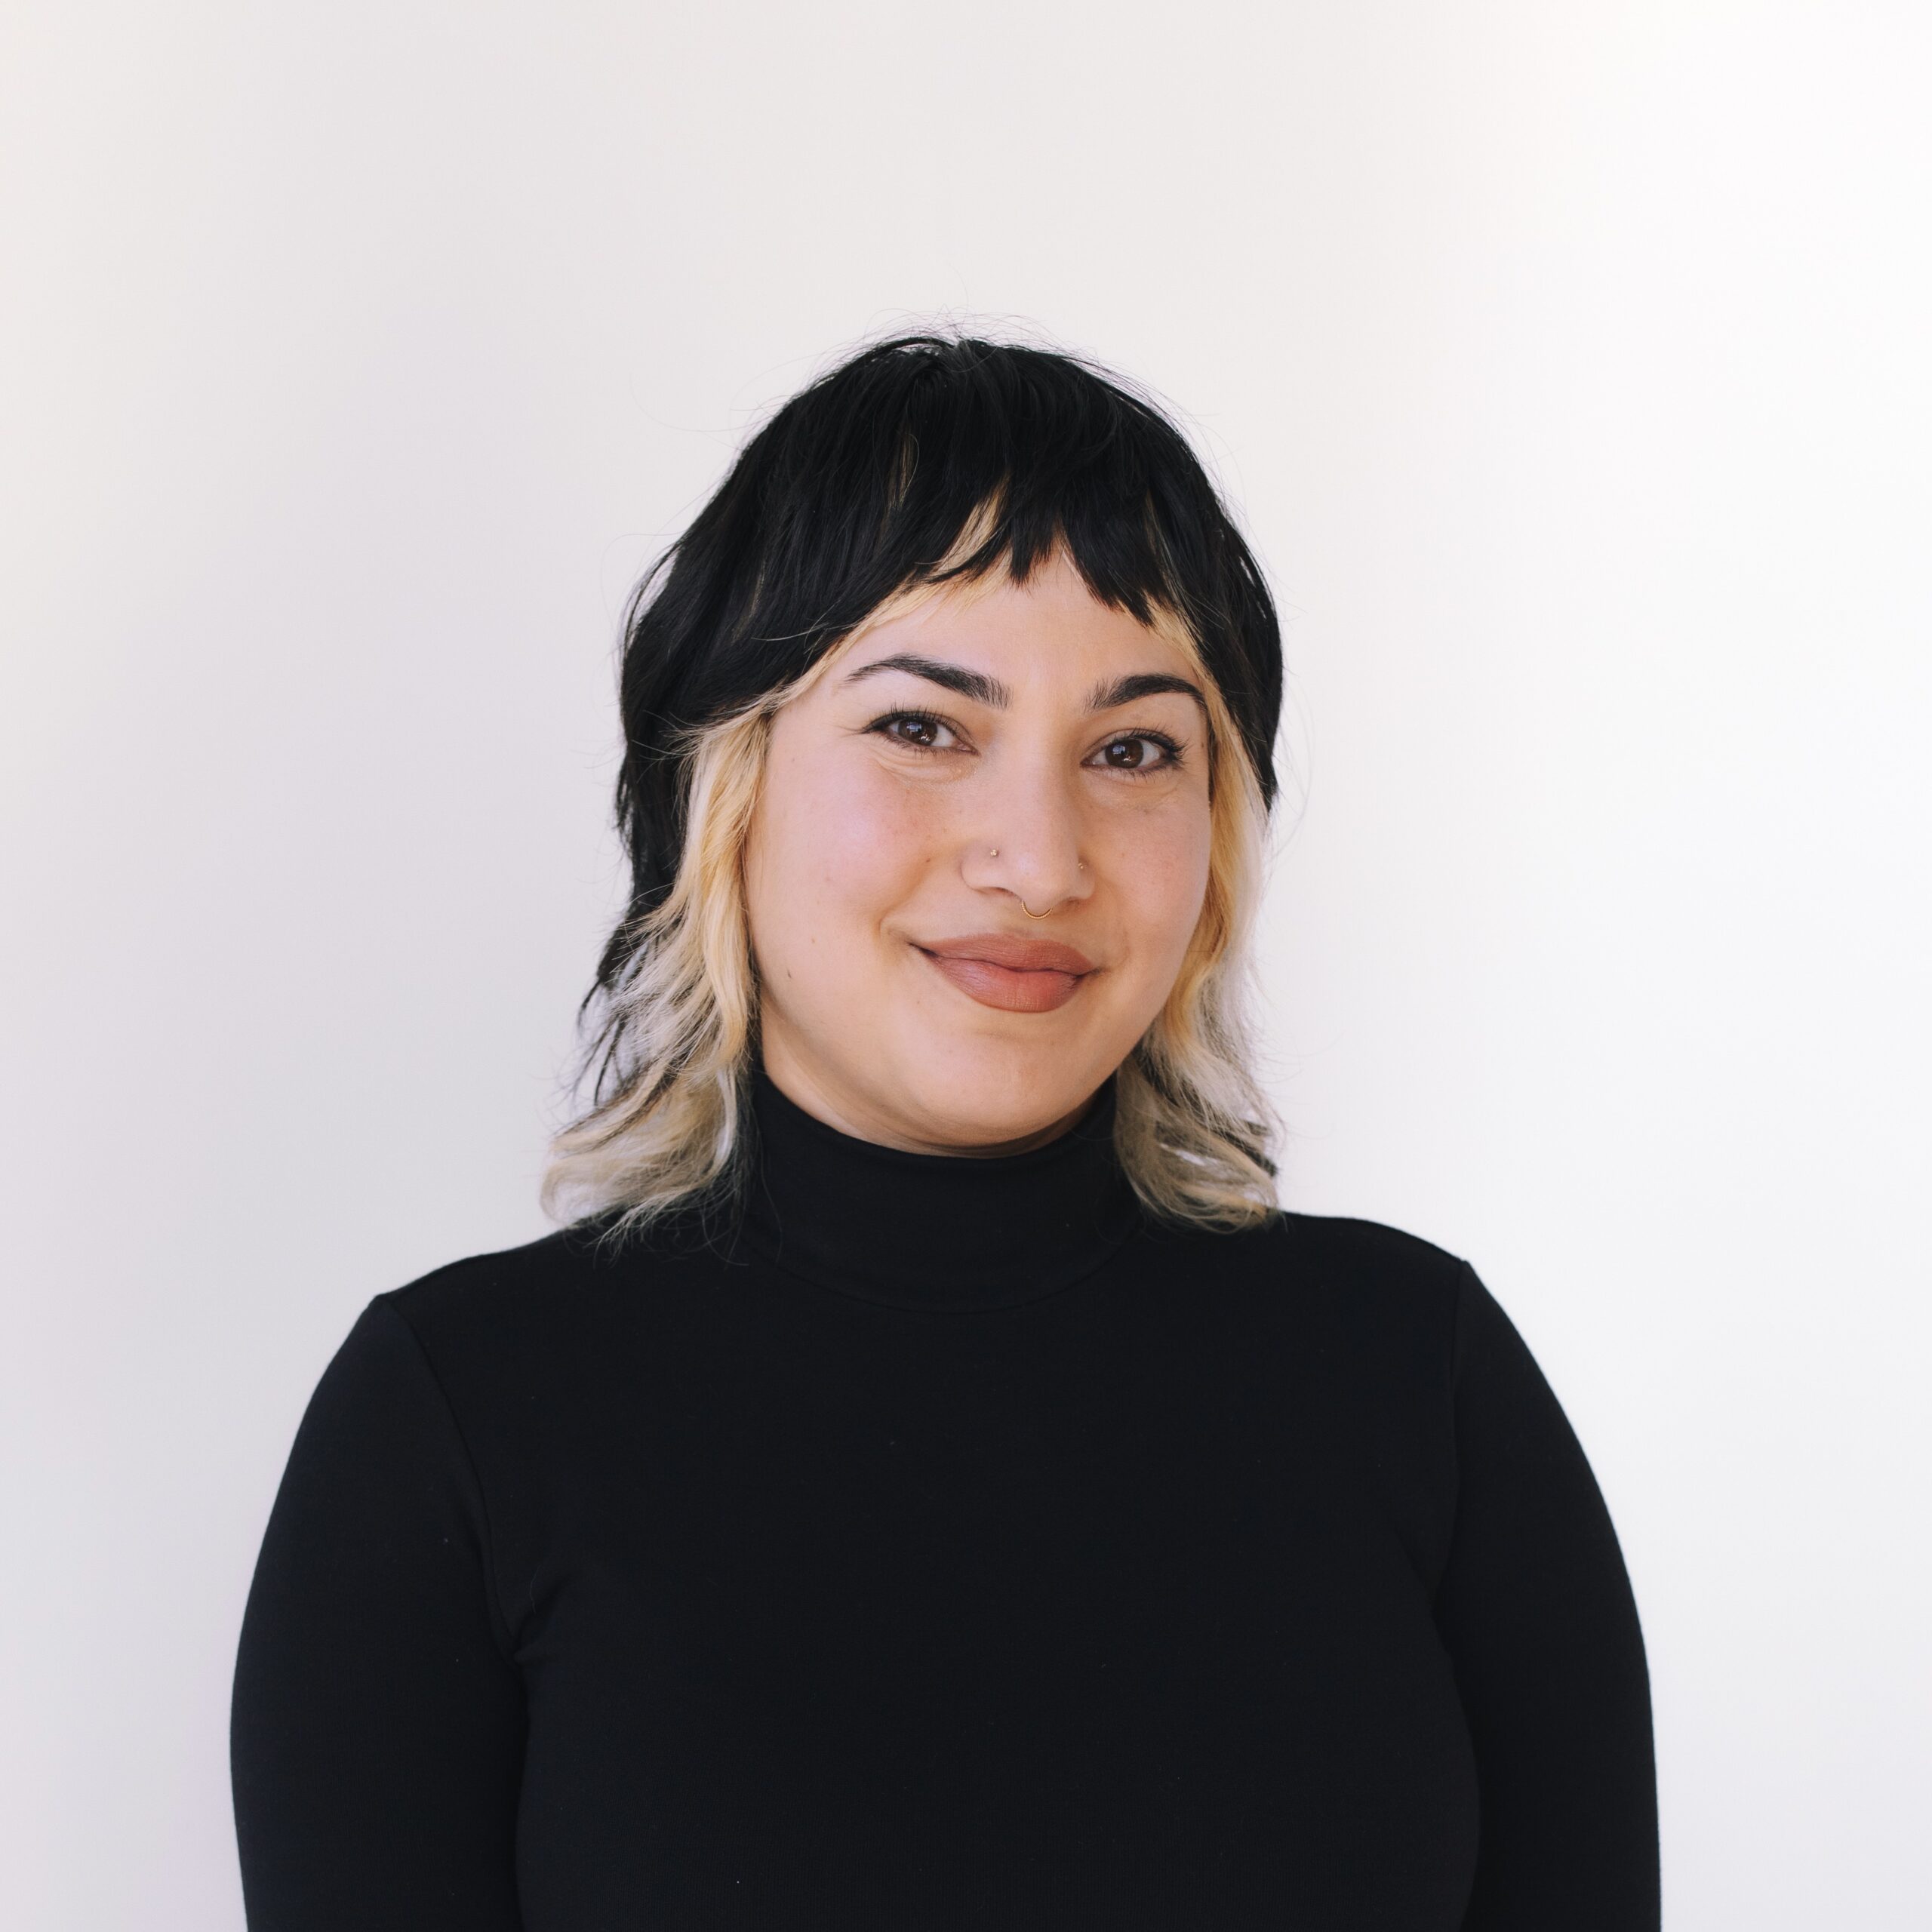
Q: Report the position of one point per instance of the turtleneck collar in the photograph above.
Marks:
(939, 1231)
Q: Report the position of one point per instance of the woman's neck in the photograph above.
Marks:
(925, 1229)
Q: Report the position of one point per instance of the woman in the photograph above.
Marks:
(928, 1484)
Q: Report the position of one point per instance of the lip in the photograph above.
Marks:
(1004, 971)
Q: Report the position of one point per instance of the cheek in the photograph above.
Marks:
(835, 847)
(1163, 880)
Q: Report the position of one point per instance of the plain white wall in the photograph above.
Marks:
(1569, 366)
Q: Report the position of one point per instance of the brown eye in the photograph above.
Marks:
(1140, 752)
(915, 730)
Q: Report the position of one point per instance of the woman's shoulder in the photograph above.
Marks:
(564, 1254)
(1377, 1249)
(1345, 1272)
(1340, 1248)
(564, 1284)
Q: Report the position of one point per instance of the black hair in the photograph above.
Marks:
(861, 485)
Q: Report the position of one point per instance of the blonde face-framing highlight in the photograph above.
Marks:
(678, 1031)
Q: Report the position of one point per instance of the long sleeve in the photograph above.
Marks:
(1536, 1609)
(377, 1722)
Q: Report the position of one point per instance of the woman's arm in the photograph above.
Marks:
(1536, 1609)
(377, 1730)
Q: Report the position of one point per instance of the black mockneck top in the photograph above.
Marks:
(941, 1545)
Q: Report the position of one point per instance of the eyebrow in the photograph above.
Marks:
(990, 692)
(974, 684)
(1144, 684)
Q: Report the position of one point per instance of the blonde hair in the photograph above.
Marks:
(675, 1048)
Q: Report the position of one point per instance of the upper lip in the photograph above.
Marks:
(1008, 950)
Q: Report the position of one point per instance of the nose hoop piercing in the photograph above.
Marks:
(992, 852)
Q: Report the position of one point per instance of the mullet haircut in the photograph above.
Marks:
(921, 462)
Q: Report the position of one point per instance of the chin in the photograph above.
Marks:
(974, 1098)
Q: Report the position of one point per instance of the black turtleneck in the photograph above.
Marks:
(941, 1546)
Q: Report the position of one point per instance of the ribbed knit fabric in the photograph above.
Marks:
(943, 1547)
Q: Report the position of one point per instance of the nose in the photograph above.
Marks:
(1027, 844)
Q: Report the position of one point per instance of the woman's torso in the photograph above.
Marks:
(1108, 1606)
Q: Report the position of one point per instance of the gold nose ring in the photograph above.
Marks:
(993, 851)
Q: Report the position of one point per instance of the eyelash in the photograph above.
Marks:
(1171, 746)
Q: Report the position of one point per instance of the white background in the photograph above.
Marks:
(1569, 365)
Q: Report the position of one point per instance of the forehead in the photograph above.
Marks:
(1049, 631)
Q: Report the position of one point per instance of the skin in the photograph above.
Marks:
(898, 814)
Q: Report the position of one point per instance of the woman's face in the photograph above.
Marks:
(1024, 751)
